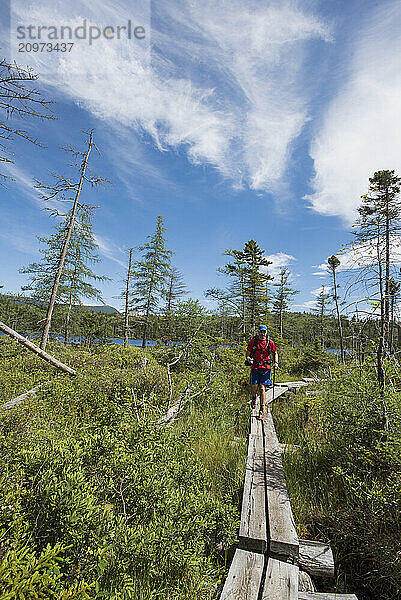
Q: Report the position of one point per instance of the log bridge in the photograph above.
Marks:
(271, 562)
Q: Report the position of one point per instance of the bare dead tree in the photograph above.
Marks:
(127, 299)
(19, 99)
(59, 189)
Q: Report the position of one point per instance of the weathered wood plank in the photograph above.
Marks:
(281, 581)
(244, 577)
(325, 596)
(256, 424)
(282, 533)
(253, 530)
(305, 583)
(289, 448)
(316, 558)
(28, 344)
(255, 457)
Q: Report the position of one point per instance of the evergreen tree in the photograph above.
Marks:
(255, 281)
(334, 263)
(75, 279)
(151, 275)
(379, 221)
(61, 187)
(247, 295)
(283, 296)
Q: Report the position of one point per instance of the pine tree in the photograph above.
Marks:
(283, 296)
(247, 295)
(334, 263)
(75, 279)
(151, 275)
(254, 280)
(62, 187)
(379, 221)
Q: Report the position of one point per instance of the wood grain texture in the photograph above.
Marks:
(281, 581)
(316, 558)
(305, 583)
(253, 530)
(282, 533)
(244, 577)
(325, 596)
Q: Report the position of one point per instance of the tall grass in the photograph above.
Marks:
(344, 479)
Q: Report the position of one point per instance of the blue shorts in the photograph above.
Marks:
(262, 376)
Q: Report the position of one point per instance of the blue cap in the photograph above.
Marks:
(262, 328)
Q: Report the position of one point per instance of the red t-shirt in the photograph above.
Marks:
(262, 352)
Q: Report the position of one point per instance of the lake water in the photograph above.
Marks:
(110, 340)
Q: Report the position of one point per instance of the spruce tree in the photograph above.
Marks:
(151, 275)
(252, 256)
(334, 263)
(76, 276)
(378, 223)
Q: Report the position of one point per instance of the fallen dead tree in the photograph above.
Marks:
(20, 399)
(31, 346)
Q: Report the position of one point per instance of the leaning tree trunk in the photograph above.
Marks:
(28, 344)
(64, 249)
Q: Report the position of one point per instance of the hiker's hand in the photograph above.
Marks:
(276, 365)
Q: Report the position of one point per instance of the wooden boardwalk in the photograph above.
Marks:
(270, 559)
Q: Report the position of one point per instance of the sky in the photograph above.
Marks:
(234, 120)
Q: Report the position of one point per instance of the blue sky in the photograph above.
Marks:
(232, 119)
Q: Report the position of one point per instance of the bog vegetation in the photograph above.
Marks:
(99, 498)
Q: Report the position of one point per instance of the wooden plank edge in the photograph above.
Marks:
(244, 577)
(316, 558)
(281, 582)
(325, 596)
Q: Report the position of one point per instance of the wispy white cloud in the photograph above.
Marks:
(110, 250)
(362, 255)
(308, 305)
(322, 289)
(279, 261)
(361, 129)
(241, 117)
(24, 181)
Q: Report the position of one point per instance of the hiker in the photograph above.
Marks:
(261, 354)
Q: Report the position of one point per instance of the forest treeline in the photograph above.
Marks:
(89, 326)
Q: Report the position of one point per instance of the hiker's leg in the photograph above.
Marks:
(262, 394)
(254, 387)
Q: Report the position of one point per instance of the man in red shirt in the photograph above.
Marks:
(261, 354)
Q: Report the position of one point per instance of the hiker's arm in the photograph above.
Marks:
(248, 354)
(276, 359)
